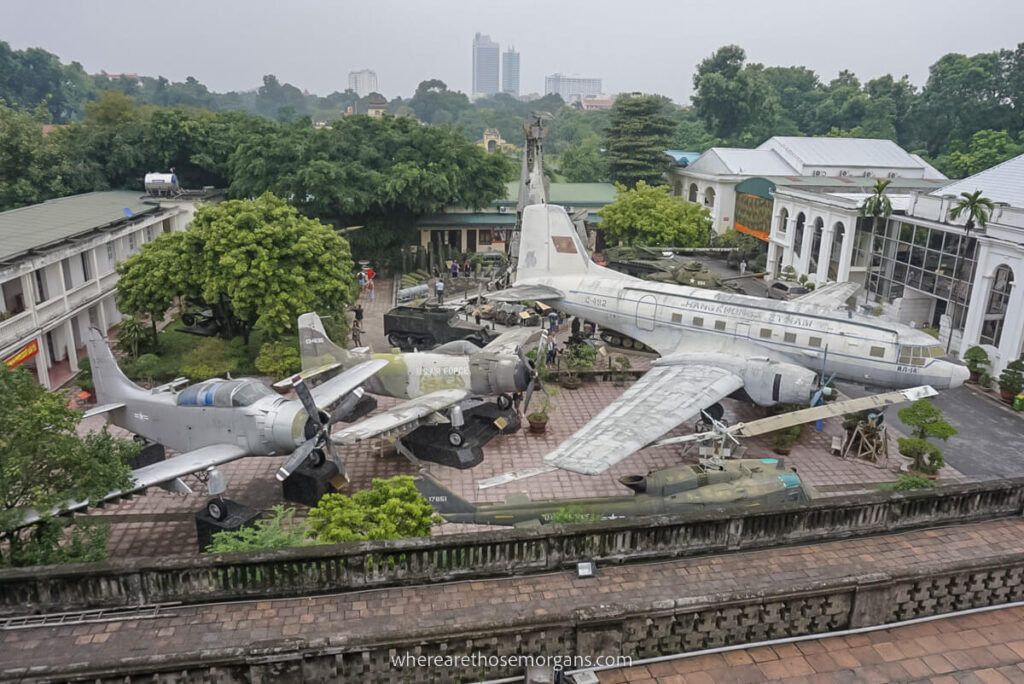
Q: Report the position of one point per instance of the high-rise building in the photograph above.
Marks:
(510, 72)
(485, 66)
(363, 82)
(572, 88)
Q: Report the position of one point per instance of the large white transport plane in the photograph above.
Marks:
(712, 344)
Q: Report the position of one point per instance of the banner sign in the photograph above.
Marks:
(22, 355)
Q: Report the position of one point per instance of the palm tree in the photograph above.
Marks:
(875, 205)
(978, 210)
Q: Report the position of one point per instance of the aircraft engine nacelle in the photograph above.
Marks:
(285, 427)
(492, 374)
(774, 382)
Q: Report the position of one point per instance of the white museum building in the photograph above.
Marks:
(58, 271)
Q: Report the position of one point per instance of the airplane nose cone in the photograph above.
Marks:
(959, 375)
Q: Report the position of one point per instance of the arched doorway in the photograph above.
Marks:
(692, 196)
(836, 252)
(798, 234)
(492, 146)
(998, 302)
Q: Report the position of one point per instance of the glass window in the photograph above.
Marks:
(133, 242)
(698, 322)
(86, 266)
(814, 341)
(484, 237)
(766, 333)
(111, 253)
(878, 352)
(719, 325)
(677, 318)
(998, 303)
(790, 337)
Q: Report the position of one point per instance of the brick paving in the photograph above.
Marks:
(159, 523)
(985, 648)
(432, 609)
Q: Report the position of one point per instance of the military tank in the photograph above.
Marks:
(425, 327)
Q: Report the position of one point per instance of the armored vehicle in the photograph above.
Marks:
(425, 327)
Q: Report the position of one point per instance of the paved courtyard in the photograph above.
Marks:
(158, 523)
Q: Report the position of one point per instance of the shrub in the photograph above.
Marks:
(785, 438)
(977, 360)
(84, 377)
(130, 335)
(1011, 380)
(211, 359)
(278, 360)
(390, 509)
(907, 483)
(147, 366)
(926, 457)
(926, 420)
(279, 531)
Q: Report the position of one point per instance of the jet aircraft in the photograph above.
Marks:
(431, 382)
(217, 421)
(712, 344)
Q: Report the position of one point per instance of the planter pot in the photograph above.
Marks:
(782, 451)
(537, 427)
(570, 384)
(974, 377)
(1006, 396)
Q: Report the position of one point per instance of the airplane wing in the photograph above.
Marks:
(158, 473)
(401, 419)
(665, 397)
(102, 408)
(511, 340)
(518, 293)
(831, 295)
(328, 393)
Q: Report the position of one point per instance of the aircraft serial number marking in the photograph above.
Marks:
(907, 369)
(596, 301)
(442, 370)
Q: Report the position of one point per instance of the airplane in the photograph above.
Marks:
(431, 382)
(712, 344)
(713, 483)
(217, 421)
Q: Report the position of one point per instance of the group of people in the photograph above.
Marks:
(365, 280)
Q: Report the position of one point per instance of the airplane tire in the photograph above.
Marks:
(627, 342)
(504, 402)
(188, 320)
(216, 510)
(395, 340)
(316, 458)
(455, 438)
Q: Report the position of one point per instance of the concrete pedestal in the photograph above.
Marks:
(151, 453)
(482, 423)
(307, 485)
(238, 516)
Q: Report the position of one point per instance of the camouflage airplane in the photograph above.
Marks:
(217, 421)
(745, 483)
(431, 382)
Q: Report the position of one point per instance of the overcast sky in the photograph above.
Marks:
(645, 45)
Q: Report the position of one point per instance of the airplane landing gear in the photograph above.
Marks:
(504, 402)
(455, 438)
(715, 411)
(216, 509)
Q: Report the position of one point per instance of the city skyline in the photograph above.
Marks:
(486, 62)
(303, 43)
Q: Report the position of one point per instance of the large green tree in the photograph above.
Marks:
(986, 149)
(259, 260)
(638, 134)
(27, 161)
(43, 465)
(584, 162)
(731, 98)
(649, 215)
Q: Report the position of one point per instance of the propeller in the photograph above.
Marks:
(540, 360)
(321, 434)
(823, 390)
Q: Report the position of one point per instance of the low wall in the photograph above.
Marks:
(346, 567)
(638, 631)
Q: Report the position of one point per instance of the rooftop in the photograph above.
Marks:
(571, 194)
(851, 152)
(1001, 183)
(738, 161)
(56, 220)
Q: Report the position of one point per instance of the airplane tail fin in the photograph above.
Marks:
(112, 385)
(442, 499)
(549, 244)
(315, 347)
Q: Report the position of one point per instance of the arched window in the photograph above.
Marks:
(836, 252)
(693, 192)
(709, 198)
(812, 258)
(998, 302)
(798, 234)
(783, 219)
(492, 146)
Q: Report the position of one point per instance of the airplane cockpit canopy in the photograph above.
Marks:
(917, 355)
(224, 393)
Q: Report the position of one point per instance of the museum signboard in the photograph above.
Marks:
(22, 355)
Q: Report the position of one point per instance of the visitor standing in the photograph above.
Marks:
(743, 267)
(439, 289)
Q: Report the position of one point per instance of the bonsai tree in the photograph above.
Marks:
(578, 357)
(925, 420)
(1011, 380)
(788, 273)
(785, 438)
(538, 415)
(977, 362)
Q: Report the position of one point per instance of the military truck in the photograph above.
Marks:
(425, 327)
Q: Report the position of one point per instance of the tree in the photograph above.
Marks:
(279, 531)
(649, 215)
(925, 420)
(636, 140)
(978, 209)
(987, 148)
(258, 262)
(876, 205)
(732, 99)
(26, 161)
(583, 163)
(278, 359)
(390, 509)
(43, 465)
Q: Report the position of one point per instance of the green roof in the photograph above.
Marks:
(468, 219)
(571, 194)
(41, 225)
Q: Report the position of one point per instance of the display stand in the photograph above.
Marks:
(308, 484)
(482, 423)
(238, 516)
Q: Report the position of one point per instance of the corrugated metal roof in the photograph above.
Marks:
(811, 182)
(39, 225)
(592, 194)
(741, 161)
(1001, 183)
(683, 157)
(866, 152)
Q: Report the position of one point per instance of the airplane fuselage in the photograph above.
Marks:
(675, 319)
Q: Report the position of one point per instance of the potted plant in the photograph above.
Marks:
(977, 362)
(578, 357)
(1011, 380)
(925, 420)
(619, 365)
(538, 417)
(784, 439)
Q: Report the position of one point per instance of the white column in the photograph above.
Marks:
(773, 255)
(43, 363)
(824, 254)
(1013, 326)
(805, 249)
(69, 334)
(980, 290)
(846, 254)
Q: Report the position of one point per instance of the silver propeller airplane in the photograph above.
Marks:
(431, 382)
(712, 344)
(217, 421)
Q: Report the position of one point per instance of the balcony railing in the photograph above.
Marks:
(16, 327)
